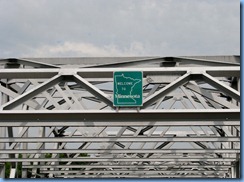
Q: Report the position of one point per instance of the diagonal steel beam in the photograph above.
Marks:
(48, 97)
(217, 84)
(208, 95)
(31, 103)
(77, 103)
(31, 93)
(168, 88)
(21, 134)
(92, 89)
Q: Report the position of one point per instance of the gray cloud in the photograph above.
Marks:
(119, 28)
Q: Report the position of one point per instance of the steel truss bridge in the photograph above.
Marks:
(57, 118)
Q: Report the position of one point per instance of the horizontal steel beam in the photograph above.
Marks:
(28, 62)
(118, 123)
(90, 61)
(123, 115)
(92, 159)
(119, 139)
(130, 171)
(119, 151)
(139, 176)
(28, 73)
(204, 62)
(144, 166)
(108, 72)
(170, 157)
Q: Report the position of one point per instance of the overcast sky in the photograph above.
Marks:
(71, 28)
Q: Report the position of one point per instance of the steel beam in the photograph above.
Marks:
(204, 61)
(12, 94)
(130, 142)
(94, 90)
(28, 62)
(226, 89)
(108, 72)
(123, 115)
(31, 93)
(165, 90)
(83, 159)
(137, 172)
(57, 123)
(136, 166)
(77, 139)
(139, 176)
(211, 97)
(119, 151)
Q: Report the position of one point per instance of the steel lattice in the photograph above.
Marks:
(58, 120)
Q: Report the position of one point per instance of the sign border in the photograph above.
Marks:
(141, 92)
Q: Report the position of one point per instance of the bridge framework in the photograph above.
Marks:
(57, 118)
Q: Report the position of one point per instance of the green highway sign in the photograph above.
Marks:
(127, 88)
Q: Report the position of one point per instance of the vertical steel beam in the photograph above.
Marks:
(5, 99)
(2, 147)
(238, 164)
(42, 134)
(25, 147)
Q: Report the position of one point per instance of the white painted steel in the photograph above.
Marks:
(62, 121)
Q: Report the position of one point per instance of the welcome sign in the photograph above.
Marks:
(128, 88)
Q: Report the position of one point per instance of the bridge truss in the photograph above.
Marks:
(57, 118)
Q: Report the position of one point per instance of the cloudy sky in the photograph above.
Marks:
(71, 28)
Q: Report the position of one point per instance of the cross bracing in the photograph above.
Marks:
(57, 118)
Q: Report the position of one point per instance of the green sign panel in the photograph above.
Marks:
(127, 88)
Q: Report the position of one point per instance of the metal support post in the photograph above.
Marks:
(25, 147)
(3, 134)
(2, 147)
